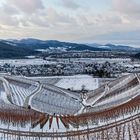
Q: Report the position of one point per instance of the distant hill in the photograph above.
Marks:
(29, 46)
(113, 47)
(8, 50)
(40, 44)
(137, 56)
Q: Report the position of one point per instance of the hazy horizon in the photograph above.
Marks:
(131, 43)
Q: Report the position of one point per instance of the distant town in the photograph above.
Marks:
(97, 64)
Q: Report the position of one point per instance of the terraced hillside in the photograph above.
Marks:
(44, 111)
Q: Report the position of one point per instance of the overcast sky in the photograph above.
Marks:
(70, 20)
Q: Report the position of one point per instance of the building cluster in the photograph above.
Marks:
(105, 69)
(89, 54)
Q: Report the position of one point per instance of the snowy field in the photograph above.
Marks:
(24, 62)
(75, 82)
(37, 61)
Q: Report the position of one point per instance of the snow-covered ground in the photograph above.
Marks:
(128, 129)
(3, 97)
(97, 60)
(77, 82)
(24, 62)
(53, 80)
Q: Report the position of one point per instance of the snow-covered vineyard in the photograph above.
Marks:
(30, 109)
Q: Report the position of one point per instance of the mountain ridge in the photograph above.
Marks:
(12, 51)
(45, 44)
(29, 46)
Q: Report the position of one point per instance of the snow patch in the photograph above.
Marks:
(77, 82)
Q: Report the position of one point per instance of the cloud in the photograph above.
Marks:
(130, 9)
(17, 13)
(127, 35)
(8, 16)
(71, 4)
(9, 9)
(34, 18)
(50, 18)
(27, 6)
(8, 20)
